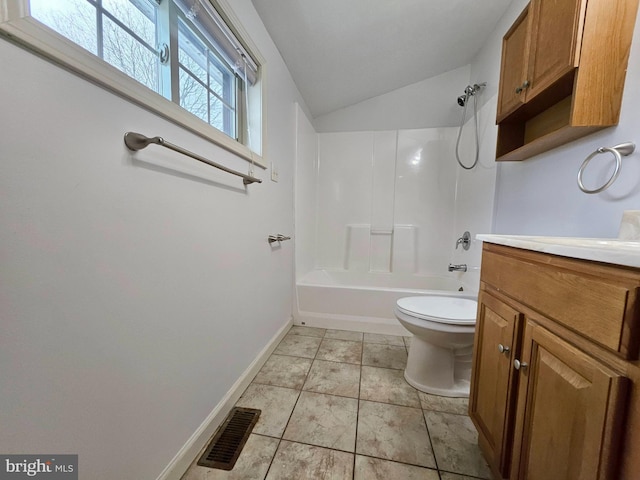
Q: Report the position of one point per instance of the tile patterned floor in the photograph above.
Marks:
(335, 406)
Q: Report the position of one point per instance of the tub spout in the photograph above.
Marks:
(458, 268)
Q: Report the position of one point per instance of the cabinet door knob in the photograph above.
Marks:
(520, 365)
(503, 349)
(523, 86)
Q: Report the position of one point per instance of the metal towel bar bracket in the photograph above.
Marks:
(137, 141)
(618, 151)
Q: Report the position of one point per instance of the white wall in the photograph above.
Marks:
(306, 191)
(475, 188)
(425, 194)
(442, 206)
(134, 289)
(431, 191)
(429, 103)
(373, 183)
(540, 195)
(344, 192)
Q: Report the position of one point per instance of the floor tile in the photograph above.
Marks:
(324, 420)
(294, 461)
(340, 351)
(276, 404)
(334, 378)
(394, 433)
(444, 404)
(252, 463)
(195, 472)
(455, 444)
(384, 339)
(455, 476)
(368, 468)
(319, 434)
(307, 331)
(298, 346)
(386, 356)
(284, 371)
(344, 335)
(388, 386)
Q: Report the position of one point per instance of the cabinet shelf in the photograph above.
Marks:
(540, 144)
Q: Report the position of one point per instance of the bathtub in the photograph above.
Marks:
(364, 301)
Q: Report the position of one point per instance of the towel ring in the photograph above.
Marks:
(618, 151)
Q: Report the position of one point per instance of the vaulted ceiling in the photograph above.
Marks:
(341, 52)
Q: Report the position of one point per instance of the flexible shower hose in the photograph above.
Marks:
(475, 117)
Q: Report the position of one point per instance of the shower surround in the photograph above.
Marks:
(385, 201)
(384, 208)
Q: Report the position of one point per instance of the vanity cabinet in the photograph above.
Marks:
(562, 73)
(492, 398)
(554, 388)
(570, 408)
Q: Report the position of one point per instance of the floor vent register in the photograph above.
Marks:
(226, 445)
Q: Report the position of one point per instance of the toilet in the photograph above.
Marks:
(440, 354)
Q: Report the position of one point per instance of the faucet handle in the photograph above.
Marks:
(464, 240)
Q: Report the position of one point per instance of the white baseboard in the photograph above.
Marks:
(385, 326)
(183, 459)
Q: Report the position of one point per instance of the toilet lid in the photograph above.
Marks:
(458, 311)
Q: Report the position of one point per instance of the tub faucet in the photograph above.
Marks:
(458, 268)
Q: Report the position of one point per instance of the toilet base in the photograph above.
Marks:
(460, 388)
(437, 370)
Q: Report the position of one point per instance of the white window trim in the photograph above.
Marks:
(16, 23)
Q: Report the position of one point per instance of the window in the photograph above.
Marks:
(182, 50)
(207, 86)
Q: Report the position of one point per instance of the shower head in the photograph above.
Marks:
(470, 91)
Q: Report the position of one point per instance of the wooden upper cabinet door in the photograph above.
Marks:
(570, 409)
(513, 66)
(492, 393)
(556, 35)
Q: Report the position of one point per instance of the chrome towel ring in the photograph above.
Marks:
(618, 151)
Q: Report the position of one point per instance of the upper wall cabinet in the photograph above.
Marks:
(562, 74)
(514, 69)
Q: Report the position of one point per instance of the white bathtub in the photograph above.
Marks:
(364, 301)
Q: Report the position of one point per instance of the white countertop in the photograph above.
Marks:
(607, 250)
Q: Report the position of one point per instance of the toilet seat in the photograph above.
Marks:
(448, 310)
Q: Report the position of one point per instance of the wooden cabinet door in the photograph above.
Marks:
(556, 35)
(569, 411)
(513, 66)
(491, 400)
